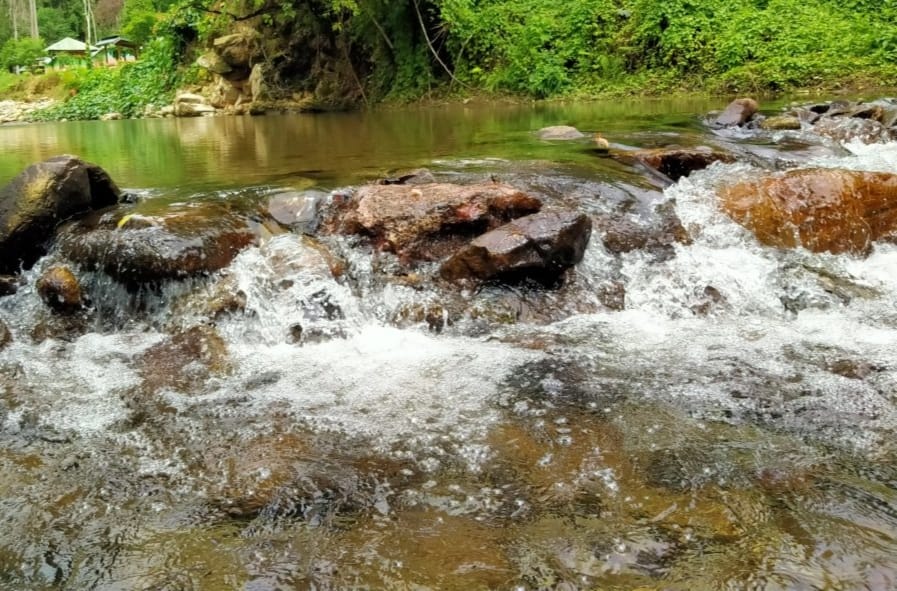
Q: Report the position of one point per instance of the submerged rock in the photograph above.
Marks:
(676, 163)
(738, 112)
(43, 196)
(623, 234)
(177, 244)
(184, 361)
(781, 123)
(823, 210)
(5, 335)
(560, 132)
(60, 290)
(540, 246)
(409, 220)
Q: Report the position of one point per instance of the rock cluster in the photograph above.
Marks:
(841, 121)
(14, 111)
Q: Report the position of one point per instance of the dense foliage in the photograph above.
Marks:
(370, 50)
(125, 90)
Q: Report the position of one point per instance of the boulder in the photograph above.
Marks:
(540, 246)
(214, 63)
(237, 49)
(189, 98)
(192, 109)
(676, 163)
(44, 195)
(113, 116)
(560, 132)
(781, 123)
(178, 243)
(60, 290)
(738, 112)
(823, 210)
(258, 90)
(409, 220)
(297, 210)
(224, 94)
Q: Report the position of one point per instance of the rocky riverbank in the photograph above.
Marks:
(21, 111)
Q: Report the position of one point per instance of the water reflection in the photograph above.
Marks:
(331, 149)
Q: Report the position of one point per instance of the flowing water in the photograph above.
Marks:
(731, 428)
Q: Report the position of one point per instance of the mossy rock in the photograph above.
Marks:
(43, 196)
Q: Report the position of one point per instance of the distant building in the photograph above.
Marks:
(113, 50)
(69, 50)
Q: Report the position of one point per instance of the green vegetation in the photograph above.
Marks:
(126, 90)
(346, 52)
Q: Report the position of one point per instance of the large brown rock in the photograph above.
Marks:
(540, 246)
(823, 210)
(43, 196)
(738, 112)
(408, 220)
(178, 243)
(60, 290)
(676, 163)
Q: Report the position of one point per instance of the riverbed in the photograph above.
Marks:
(729, 426)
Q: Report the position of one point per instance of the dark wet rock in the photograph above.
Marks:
(781, 123)
(540, 246)
(738, 112)
(43, 196)
(839, 108)
(612, 294)
(179, 243)
(288, 473)
(868, 111)
(412, 221)
(184, 361)
(845, 129)
(9, 285)
(853, 369)
(560, 132)
(60, 290)
(214, 300)
(706, 300)
(421, 176)
(823, 210)
(5, 335)
(623, 234)
(297, 210)
(676, 163)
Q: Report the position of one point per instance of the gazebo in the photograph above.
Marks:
(116, 49)
(69, 46)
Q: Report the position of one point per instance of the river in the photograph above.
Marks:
(732, 427)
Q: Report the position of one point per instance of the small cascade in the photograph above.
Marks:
(319, 413)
